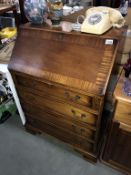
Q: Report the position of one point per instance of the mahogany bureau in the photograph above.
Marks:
(61, 79)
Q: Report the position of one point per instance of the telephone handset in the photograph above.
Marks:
(100, 19)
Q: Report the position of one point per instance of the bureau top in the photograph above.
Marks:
(112, 33)
(77, 60)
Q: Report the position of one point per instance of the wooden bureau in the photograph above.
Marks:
(117, 152)
(61, 79)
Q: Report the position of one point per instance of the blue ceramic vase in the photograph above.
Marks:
(35, 10)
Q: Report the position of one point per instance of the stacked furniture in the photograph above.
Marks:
(117, 152)
(61, 79)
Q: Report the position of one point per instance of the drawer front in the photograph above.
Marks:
(61, 108)
(61, 134)
(70, 96)
(58, 120)
(123, 112)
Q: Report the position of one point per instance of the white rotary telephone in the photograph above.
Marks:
(100, 19)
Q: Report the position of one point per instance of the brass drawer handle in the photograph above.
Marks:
(74, 127)
(76, 98)
(83, 116)
(73, 111)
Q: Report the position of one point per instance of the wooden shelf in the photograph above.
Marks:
(6, 8)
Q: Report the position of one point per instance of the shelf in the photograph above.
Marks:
(6, 8)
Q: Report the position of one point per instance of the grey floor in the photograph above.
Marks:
(24, 154)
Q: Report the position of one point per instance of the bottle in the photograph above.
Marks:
(123, 7)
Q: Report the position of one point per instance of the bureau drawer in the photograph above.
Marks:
(43, 88)
(61, 134)
(58, 120)
(123, 112)
(67, 110)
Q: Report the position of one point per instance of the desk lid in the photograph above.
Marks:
(73, 59)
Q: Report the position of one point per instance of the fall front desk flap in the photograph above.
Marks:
(79, 60)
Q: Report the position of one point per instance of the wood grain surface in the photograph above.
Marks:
(64, 58)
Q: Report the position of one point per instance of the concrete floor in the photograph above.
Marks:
(24, 154)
